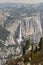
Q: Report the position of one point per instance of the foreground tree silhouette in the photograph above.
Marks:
(26, 46)
(27, 43)
(41, 43)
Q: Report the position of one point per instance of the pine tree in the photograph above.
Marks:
(27, 43)
(41, 43)
(26, 46)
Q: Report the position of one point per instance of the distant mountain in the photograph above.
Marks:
(10, 15)
(37, 6)
(9, 12)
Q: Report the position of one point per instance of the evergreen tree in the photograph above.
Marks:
(24, 50)
(27, 43)
(26, 46)
(41, 43)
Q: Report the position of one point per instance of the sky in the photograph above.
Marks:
(22, 1)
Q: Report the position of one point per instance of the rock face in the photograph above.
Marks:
(9, 21)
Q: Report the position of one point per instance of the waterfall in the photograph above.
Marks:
(19, 40)
(20, 35)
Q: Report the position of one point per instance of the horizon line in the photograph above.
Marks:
(21, 2)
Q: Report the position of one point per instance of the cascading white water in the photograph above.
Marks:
(20, 32)
(19, 40)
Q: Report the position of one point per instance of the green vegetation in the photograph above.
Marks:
(36, 57)
(41, 43)
(26, 46)
(27, 43)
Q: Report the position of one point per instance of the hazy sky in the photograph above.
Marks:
(22, 1)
